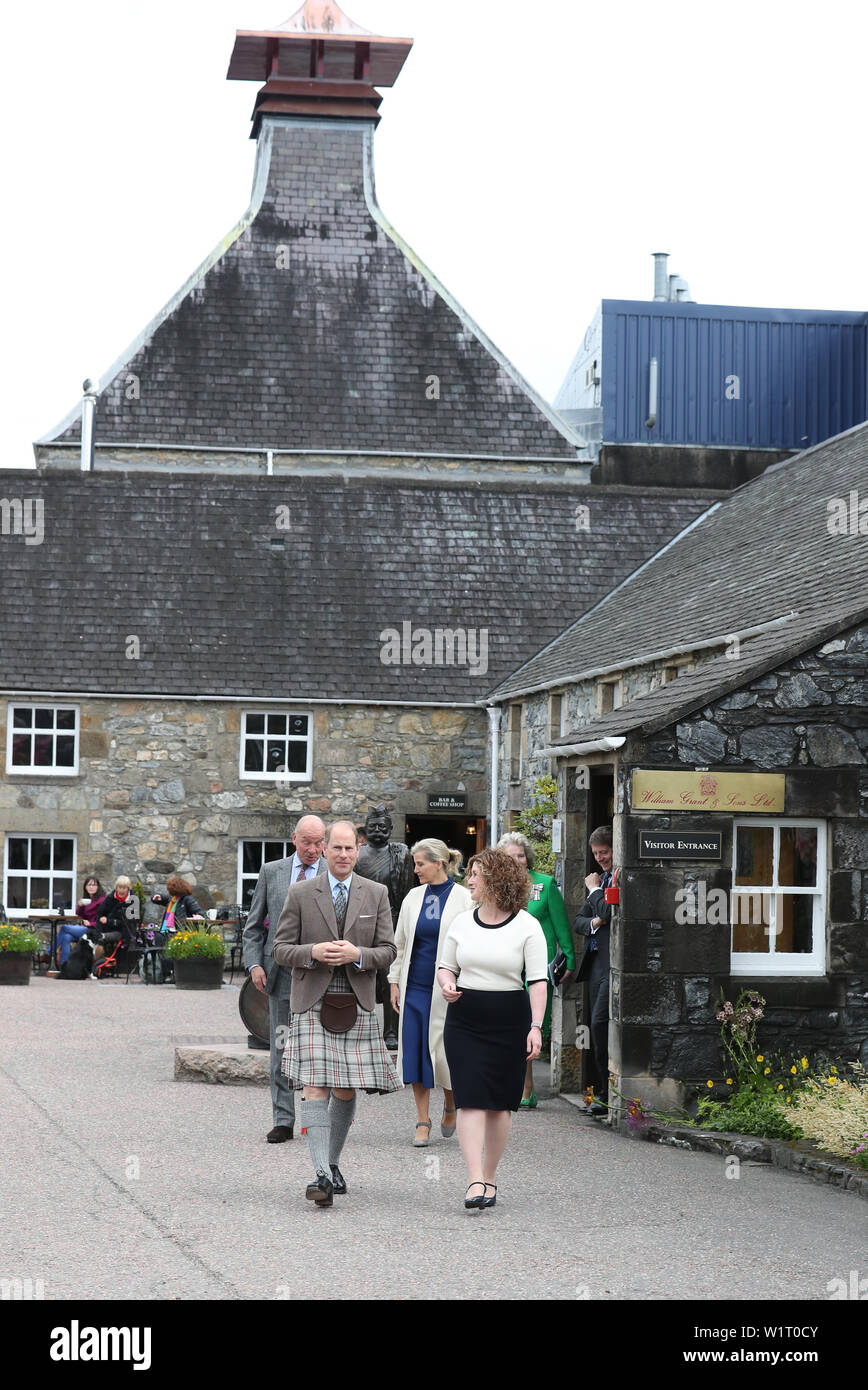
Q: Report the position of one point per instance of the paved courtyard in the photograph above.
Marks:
(121, 1183)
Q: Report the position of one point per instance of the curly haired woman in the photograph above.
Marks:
(493, 1024)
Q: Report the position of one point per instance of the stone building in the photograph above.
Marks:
(275, 561)
(714, 708)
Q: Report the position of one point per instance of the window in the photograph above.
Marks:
(609, 696)
(515, 742)
(39, 874)
(42, 739)
(556, 716)
(778, 903)
(275, 743)
(252, 854)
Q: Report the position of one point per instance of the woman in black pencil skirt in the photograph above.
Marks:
(493, 1025)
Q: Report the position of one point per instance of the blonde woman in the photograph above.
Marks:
(426, 914)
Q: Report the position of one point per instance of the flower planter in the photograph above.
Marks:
(198, 974)
(16, 967)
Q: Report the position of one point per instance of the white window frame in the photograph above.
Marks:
(263, 840)
(22, 913)
(32, 769)
(774, 962)
(266, 776)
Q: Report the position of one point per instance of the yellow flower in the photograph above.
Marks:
(793, 1070)
(766, 1071)
(833, 1070)
(709, 1083)
(780, 1085)
(804, 1064)
(729, 1081)
(830, 1080)
(760, 1058)
(789, 1100)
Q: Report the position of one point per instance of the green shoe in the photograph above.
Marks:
(529, 1102)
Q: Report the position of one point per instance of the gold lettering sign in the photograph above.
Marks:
(738, 792)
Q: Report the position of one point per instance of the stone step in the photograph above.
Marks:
(229, 1064)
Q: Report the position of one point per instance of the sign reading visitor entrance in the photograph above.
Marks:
(680, 844)
(447, 801)
(739, 792)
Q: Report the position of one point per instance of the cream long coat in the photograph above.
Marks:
(458, 901)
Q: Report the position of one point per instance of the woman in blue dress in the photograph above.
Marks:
(426, 914)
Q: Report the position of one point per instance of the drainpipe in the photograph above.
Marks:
(661, 279)
(494, 728)
(652, 394)
(88, 408)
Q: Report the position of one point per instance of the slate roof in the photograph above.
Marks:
(758, 554)
(714, 679)
(186, 564)
(313, 326)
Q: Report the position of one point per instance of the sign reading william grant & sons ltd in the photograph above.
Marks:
(740, 793)
(680, 844)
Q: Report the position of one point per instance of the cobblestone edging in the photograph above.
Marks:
(777, 1152)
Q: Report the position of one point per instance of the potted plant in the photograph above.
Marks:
(197, 955)
(17, 947)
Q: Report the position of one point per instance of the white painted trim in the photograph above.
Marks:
(21, 914)
(265, 776)
(406, 250)
(30, 771)
(260, 179)
(232, 700)
(779, 963)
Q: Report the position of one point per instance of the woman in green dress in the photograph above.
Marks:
(547, 906)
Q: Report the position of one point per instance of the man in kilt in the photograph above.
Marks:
(335, 932)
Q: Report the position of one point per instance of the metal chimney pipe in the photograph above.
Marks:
(661, 279)
(88, 409)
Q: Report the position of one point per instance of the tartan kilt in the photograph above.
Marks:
(356, 1060)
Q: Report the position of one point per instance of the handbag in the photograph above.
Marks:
(558, 968)
(339, 1012)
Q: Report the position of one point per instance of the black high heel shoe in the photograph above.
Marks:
(490, 1201)
(478, 1202)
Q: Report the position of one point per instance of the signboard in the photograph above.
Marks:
(558, 836)
(740, 793)
(680, 844)
(447, 801)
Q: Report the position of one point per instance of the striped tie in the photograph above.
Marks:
(340, 904)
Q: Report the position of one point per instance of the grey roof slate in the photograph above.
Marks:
(186, 564)
(317, 328)
(719, 677)
(759, 554)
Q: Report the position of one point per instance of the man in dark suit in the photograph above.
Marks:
(334, 934)
(592, 925)
(269, 895)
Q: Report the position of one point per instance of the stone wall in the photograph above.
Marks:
(159, 786)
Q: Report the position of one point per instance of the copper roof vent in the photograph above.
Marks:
(318, 63)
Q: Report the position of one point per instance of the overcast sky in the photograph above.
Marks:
(533, 152)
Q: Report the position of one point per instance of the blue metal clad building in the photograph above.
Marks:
(736, 377)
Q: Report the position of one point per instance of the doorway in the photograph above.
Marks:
(464, 833)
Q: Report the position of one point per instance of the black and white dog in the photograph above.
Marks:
(79, 962)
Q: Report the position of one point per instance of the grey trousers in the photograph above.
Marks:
(282, 1094)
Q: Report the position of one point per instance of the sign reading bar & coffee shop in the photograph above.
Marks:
(680, 844)
(447, 801)
(741, 793)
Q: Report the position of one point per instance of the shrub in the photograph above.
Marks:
(18, 940)
(203, 944)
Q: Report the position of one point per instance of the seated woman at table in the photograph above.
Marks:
(116, 918)
(179, 903)
(87, 908)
